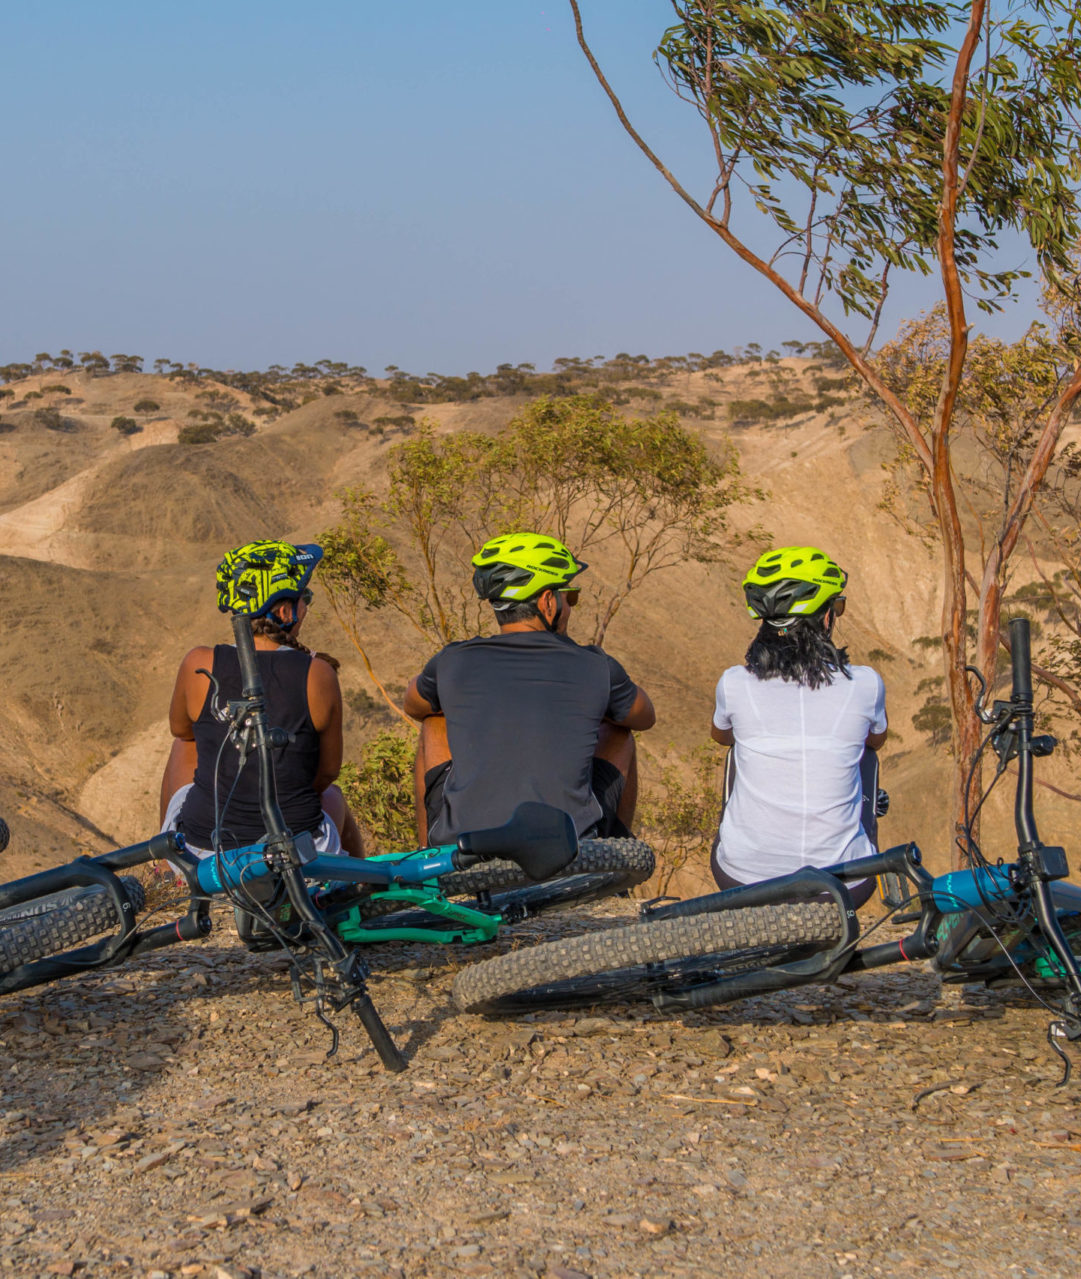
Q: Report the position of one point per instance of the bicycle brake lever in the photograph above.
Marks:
(220, 713)
(985, 716)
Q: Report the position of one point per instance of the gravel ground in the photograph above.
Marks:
(178, 1117)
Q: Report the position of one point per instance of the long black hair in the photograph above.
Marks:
(802, 652)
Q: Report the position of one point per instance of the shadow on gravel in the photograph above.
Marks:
(75, 1054)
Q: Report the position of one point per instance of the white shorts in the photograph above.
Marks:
(327, 840)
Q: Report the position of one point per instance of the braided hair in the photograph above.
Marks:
(272, 628)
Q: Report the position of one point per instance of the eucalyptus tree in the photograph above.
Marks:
(866, 138)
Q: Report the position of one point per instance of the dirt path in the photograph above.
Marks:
(38, 530)
(179, 1118)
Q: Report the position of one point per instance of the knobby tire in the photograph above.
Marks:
(60, 922)
(639, 960)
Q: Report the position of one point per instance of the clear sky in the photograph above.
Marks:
(436, 185)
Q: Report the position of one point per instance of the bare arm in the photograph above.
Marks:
(415, 706)
(875, 741)
(189, 693)
(325, 708)
(179, 771)
(725, 736)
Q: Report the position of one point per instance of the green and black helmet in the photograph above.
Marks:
(517, 567)
(255, 577)
(791, 582)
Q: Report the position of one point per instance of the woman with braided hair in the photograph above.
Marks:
(799, 718)
(202, 793)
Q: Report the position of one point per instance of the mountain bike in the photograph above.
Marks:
(990, 923)
(319, 909)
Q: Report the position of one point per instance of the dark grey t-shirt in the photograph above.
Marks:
(523, 713)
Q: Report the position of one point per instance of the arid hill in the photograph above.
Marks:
(108, 543)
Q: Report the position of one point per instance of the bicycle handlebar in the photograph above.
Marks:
(1020, 661)
(251, 684)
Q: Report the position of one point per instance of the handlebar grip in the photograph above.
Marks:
(1021, 660)
(245, 648)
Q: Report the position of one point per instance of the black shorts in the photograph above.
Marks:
(606, 782)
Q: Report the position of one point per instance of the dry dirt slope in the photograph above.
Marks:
(108, 546)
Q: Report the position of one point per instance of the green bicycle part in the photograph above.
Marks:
(413, 856)
(1049, 967)
(473, 925)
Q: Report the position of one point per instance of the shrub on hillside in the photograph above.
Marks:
(125, 425)
(210, 426)
(380, 791)
(680, 817)
(197, 433)
(56, 388)
(52, 420)
(403, 421)
(147, 406)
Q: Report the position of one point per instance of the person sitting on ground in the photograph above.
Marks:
(200, 786)
(799, 719)
(527, 714)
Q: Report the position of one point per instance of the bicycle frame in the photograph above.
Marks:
(942, 904)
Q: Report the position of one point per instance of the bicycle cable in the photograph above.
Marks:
(999, 909)
(1056, 1012)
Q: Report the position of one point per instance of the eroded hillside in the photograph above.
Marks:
(109, 537)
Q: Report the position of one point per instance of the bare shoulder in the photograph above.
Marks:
(202, 656)
(322, 675)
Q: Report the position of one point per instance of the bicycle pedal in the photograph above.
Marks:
(892, 891)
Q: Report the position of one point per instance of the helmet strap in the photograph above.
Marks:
(286, 626)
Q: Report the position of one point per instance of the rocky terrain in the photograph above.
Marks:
(180, 1118)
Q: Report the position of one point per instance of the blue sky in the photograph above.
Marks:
(440, 186)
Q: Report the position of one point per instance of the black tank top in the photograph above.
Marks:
(284, 672)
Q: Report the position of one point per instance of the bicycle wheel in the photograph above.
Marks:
(639, 960)
(59, 922)
(602, 868)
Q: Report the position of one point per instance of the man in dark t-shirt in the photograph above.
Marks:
(527, 714)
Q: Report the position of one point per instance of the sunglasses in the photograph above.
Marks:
(571, 595)
(306, 595)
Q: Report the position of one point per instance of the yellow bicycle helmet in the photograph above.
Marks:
(258, 575)
(516, 567)
(790, 582)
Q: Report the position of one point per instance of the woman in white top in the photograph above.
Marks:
(799, 718)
